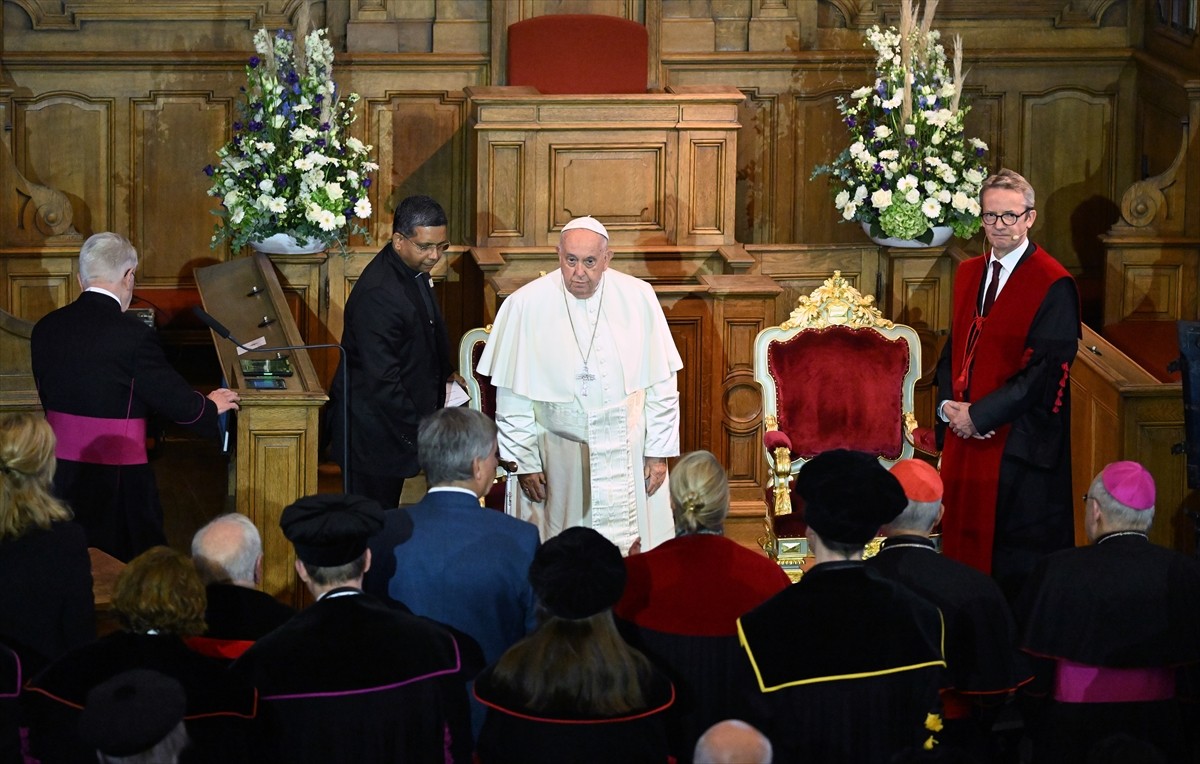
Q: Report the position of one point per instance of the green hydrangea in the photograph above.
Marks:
(903, 220)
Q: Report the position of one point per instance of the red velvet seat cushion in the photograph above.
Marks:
(573, 53)
(840, 387)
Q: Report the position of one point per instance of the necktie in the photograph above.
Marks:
(424, 286)
(993, 285)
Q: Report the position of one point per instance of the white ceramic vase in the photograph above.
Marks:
(286, 244)
(941, 235)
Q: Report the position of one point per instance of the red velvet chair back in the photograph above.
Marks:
(840, 387)
(572, 54)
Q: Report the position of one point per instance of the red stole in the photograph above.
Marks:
(971, 467)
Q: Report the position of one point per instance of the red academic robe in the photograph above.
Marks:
(1010, 492)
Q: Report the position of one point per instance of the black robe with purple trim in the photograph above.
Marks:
(513, 733)
(352, 679)
(847, 664)
(92, 360)
(1122, 602)
(681, 604)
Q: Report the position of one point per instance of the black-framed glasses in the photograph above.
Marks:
(1009, 218)
(439, 247)
(1086, 498)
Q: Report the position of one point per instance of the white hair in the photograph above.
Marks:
(217, 561)
(105, 257)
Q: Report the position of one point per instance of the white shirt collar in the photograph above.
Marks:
(102, 290)
(1009, 261)
(455, 488)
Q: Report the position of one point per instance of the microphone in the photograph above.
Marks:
(214, 324)
(1016, 237)
(224, 333)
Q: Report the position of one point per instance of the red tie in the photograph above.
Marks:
(993, 285)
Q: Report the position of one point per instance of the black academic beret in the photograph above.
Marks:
(132, 712)
(331, 529)
(578, 573)
(848, 495)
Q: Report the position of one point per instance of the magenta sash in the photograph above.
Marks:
(1080, 683)
(93, 440)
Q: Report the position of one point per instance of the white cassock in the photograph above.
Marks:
(588, 433)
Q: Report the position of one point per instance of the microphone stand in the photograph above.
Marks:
(224, 333)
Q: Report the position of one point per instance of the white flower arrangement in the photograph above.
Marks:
(909, 166)
(292, 166)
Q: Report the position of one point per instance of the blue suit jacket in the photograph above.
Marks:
(449, 559)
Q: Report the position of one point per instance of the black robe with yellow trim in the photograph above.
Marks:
(680, 607)
(513, 733)
(848, 666)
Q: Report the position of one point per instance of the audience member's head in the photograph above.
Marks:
(330, 533)
(1121, 498)
(228, 550)
(457, 446)
(923, 488)
(135, 718)
(576, 659)
(699, 493)
(26, 469)
(848, 496)
(160, 591)
(733, 741)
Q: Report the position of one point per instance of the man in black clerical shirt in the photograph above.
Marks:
(398, 355)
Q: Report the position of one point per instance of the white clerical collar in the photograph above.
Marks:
(453, 489)
(101, 290)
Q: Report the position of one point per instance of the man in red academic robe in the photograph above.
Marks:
(1003, 393)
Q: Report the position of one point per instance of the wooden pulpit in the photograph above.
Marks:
(281, 399)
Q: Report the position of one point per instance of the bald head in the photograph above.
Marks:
(733, 742)
(228, 549)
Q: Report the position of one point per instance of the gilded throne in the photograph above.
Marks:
(836, 374)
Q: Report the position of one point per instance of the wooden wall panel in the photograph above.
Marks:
(1068, 147)
(173, 135)
(819, 136)
(49, 130)
(420, 147)
(579, 178)
(34, 286)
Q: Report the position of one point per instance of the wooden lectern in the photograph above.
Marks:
(276, 439)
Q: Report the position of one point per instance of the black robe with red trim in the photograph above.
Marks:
(92, 360)
(681, 604)
(218, 712)
(848, 667)
(984, 663)
(236, 616)
(1122, 603)
(1008, 498)
(513, 733)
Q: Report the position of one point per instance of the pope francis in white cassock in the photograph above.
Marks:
(586, 397)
